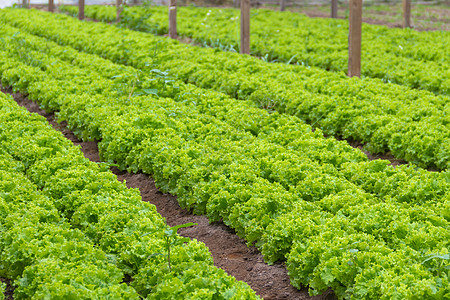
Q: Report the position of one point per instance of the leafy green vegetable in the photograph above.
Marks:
(71, 230)
(411, 124)
(2, 290)
(393, 55)
(363, 228)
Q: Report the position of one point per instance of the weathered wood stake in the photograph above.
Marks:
(245, 26)
(81, 9)
(334, 9)
(118, 10)
(50, 6)
(354, 38)
(406, 13)
(282, 5)
(173, 19)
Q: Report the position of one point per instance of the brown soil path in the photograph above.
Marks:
(228, 250)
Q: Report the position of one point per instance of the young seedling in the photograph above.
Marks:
(172, 239)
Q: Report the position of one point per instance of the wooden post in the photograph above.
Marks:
(245, 26)
(354, 38)
(406, 13)
(118, 10)
(173, 19)
(25, 3)
(50, 6)
(81, 9)
(282, 5)
(334, 9)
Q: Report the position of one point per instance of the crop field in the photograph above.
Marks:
(412, 124)
(391, 54)
(70, 230)
(261, 146)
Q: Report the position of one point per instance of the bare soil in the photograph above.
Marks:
(228, 250)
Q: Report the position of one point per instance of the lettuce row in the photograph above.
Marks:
(253, 183)
(411, 124)
(71, 230)
(242, 115)
(272, 127)
(38, 247)
(393, 55)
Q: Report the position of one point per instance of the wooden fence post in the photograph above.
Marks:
(354, 38)
(334, 9)
(118, 10)
(81, 9)
(406, 13)
(245, 26)
(173, 19)
(282, 5)
(50, 6)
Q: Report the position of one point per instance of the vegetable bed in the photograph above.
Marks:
(411, 124)
(70, 230)
(402, 56)
(365, 229)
